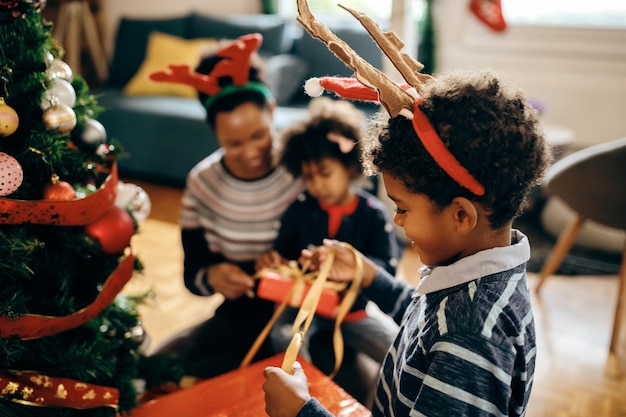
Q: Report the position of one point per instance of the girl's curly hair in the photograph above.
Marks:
(490, 128)
(307, 140)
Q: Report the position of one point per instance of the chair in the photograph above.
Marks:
(592, 182)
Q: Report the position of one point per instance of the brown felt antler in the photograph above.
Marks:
(393, 98)
(391, 45)
(371, 84)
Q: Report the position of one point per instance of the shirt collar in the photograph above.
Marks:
(480, 264)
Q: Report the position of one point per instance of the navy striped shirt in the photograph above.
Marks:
(466, 345)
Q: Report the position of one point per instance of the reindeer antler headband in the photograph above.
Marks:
(371, 84)
(235, 64)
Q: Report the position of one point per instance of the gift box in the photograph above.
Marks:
(239, 393)
(275, 287)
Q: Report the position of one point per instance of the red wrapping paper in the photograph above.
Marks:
(38, 390)
(275, 288)
(239, 394)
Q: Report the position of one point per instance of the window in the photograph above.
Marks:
(377, 9)
(596, 13)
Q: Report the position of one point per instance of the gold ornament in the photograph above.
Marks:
(59, 117)
(9, 120)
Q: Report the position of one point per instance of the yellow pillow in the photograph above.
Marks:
(163, 50)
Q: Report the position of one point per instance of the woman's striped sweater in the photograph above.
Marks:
(239, 219)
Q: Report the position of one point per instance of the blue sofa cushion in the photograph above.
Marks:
(323, 62)
(272, 27)
(131, 41)
(285, 74)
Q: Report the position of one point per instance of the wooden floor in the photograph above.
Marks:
(573, 318)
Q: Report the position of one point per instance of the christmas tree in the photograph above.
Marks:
(70, 344)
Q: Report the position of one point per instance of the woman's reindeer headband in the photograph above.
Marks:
(371, 84)
(235, 64)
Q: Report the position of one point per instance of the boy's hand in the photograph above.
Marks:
(344, 265)
(229, 280)
(285, 394)
(271, 259)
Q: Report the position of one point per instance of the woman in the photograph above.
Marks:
(232, 205)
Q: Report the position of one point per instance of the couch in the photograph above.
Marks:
(162, 127)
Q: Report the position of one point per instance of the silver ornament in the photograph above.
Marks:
(89, 134)
(59, 92)
(60, 69)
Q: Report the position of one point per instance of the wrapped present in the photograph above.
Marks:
(239, 393)
(313, 294)
(276, 287)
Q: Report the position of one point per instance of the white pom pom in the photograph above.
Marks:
(313, 87)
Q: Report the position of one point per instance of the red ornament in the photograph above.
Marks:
(8, 4)
(490, 13)
(59, 190)
(114, 230)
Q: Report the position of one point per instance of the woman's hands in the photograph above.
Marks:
(344, 265)
(285, 394)
(271, 259)
(229, 280)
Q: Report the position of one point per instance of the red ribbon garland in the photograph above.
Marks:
(62, 213)
(34, 326)
(35, 389)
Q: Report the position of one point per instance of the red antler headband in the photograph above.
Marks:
(370, 84)
(235, 64)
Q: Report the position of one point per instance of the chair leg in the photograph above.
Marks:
(614, 363)
(562, 246)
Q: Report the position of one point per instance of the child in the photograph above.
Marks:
(232, 203)
(466, 344)
(323, 150)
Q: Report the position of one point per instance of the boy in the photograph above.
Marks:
(459, 172)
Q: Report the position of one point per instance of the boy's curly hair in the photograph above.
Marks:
(487, 125)
(307, 140)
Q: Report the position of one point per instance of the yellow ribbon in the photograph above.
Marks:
(307, 309)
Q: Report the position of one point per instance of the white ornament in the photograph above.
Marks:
(59, 70)
(60, 92)
(11, 174)
(134, 198)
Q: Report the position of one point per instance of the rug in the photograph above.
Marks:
(171, 308)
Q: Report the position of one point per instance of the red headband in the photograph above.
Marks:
(236, 65)
(353, 89)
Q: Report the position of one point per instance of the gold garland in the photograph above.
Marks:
(34, 389)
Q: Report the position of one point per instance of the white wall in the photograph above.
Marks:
(113, 10)
(579, 74)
